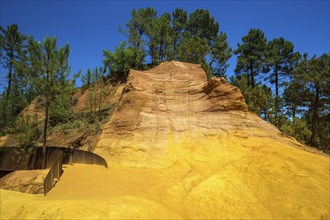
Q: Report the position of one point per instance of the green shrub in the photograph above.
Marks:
(298, 129)
(27, 131)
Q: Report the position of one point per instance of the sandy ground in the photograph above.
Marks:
(266, 181)
(27, 181)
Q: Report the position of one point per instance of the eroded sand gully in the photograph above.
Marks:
(181, 147)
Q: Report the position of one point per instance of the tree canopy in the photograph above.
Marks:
(152, 39)
(251, 55)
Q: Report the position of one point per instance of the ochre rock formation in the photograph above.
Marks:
(180, 146)
(174, 104)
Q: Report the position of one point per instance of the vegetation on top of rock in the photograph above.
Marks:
(193, 38)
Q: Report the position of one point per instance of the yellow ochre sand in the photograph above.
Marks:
(222, 178)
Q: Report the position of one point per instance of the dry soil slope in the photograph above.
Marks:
(180, 146)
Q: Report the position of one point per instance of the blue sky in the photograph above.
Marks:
(92, 26)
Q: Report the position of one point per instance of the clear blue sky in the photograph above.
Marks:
(92, 26)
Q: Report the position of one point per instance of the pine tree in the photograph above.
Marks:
(294, 96)
(193, 50)
(159, 34)
(297, 129)
(12, 44)
(137, 27)
(315, 74)
(259, 98)
(119, 62)
(281, 60)
(87, 78)
(179, 24)
(51, 64)
(201, 24)
(220, 54)
(251, 55)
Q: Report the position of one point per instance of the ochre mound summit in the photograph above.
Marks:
(181, 146)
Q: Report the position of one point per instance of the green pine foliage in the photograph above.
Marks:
(27, 131)
(300, 85)
(159, 34)
(251, 55)
(97, 95)
(12, 47)
(91, 77)
(50, 63)
(87, 78)
(120, 62)
(193, 50)
(280, 59)
(193, 38)
(298, 129)
(61, 105)
(314, 74)
(221, 52)
(137, 28)
(259, 98)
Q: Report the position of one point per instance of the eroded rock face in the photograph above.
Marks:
(223, 96)
(172, 102)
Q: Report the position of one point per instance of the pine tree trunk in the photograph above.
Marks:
(252, 79)
(293, 113)
(136, 55)
(276, 97)
(9, 80)
(175, 48)
(252, 75)
(10, 73)
(160, 51)
(44, 137)
(315, 117)
(248, 77)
